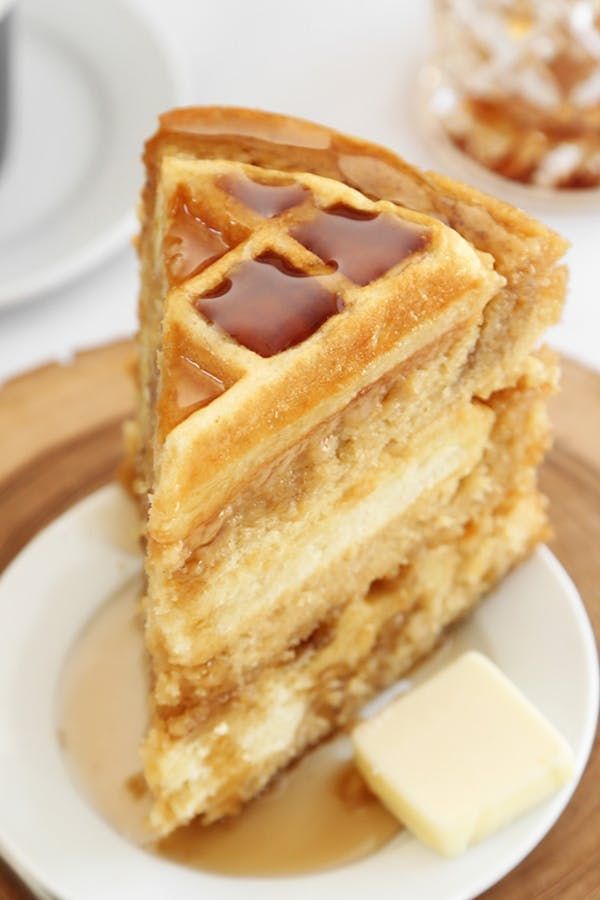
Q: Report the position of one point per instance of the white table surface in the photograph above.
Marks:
(351, 66)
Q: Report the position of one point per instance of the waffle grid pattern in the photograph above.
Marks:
(250, 237)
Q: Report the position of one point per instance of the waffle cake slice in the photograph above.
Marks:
(329, 475)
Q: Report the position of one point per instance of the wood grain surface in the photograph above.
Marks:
(61, 439)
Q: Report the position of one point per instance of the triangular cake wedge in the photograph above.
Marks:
(330, 474)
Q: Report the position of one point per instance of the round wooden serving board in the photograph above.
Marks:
(61, 439)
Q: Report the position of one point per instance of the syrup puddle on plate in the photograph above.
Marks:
(317, 815)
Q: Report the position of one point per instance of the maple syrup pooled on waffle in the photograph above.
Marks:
(267, 305)
(190, 244)
(195, 386)
(191, 388)
(267, 200)
(363, 245)
(317, 815)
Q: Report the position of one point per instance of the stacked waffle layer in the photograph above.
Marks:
(338, 430)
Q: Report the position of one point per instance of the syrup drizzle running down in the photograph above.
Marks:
(268, 306)
(317, 815)
(265, 199)
(363, 245)
(190, 244)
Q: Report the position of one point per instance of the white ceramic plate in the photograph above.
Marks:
(534, 626)
(89, 81)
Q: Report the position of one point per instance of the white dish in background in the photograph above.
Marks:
(534, 626)
(88, 82)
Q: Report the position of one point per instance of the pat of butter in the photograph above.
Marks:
(461, 755)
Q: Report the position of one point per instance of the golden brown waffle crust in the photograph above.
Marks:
(275, 401)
